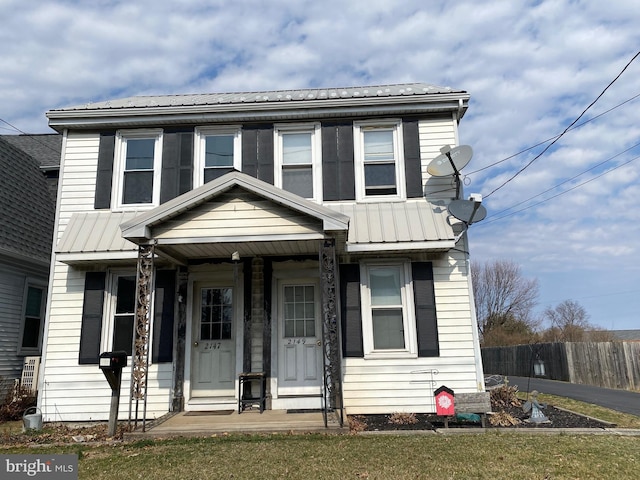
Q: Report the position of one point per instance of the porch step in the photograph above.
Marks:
(205, 404)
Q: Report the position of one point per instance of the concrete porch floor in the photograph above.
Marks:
(186, 424)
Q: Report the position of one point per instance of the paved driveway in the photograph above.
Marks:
(620, 400)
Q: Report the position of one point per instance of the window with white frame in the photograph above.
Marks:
(218, 151)
(388, 315)
(118, 334)
(379, 160)
(137, 168)
(33, 319)
(298, 161)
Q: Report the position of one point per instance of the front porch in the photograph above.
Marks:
(194, 424)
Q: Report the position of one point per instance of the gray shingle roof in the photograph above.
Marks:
(45, 148)
(26, 209)
(276, 96)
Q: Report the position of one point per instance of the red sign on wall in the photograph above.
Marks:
(445, 404)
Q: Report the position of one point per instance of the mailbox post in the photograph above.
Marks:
(111, 364)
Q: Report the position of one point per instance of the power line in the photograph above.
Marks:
(565, 130)
(554, 137)
(568, 180)
(33, 137)
(563, 192)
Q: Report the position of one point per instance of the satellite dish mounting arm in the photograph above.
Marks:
(446, 150)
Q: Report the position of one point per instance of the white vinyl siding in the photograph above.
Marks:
(434, 134)
(375, 385)
(69, 391)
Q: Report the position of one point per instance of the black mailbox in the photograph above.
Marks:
(113, 360)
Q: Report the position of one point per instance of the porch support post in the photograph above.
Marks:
(330, 329)
(142, 322)
(181, 338)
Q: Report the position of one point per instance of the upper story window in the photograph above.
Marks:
(217, 152)
(137, 168)
(379, 160)
(298, 161)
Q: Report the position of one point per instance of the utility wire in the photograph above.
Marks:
(33, 136)
(554, 137)
(567, 180)
(563, 192)
(565, 130)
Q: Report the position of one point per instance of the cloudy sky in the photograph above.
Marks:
(571, 219)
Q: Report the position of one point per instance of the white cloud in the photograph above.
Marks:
(531, 68)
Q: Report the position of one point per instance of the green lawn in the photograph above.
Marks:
(467, 456)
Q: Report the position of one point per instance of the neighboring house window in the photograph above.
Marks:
(388, 310)
(379, 160)
(119, 331)
(217, 151)
(137, 168)
(298, 160)
(33, 320)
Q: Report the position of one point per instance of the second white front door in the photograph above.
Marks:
(213, 347)
(299, 339)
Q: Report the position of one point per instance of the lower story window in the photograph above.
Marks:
(33, 319)
(124, 315)
(388, 318)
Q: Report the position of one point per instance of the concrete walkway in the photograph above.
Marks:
(620, 400)
(211, 423)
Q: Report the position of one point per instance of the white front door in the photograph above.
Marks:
(213, 342)
(299, 338)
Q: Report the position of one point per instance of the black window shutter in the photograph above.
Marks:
(413, 172)
(257, 152)
(104, 174)
(338, 181)
(164, 314)
(350, 311)
(425, 303)
(91, 327)
(177, 164)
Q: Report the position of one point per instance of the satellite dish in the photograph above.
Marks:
(468, 211)
(451, 161)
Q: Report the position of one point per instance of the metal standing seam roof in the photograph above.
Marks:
(406, 225)
(95, 232)
(413, 90)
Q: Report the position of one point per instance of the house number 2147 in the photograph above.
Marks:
(212, 346)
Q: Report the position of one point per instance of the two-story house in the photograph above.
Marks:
(27, 208)
(296, 234)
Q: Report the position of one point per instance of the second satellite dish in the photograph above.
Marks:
(451, 161)
(468, 211)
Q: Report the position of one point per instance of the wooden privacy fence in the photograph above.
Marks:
(603, 364)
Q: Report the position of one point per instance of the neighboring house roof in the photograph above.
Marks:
(626, 335)
(26, 209)
(45, 148)
(266, 105)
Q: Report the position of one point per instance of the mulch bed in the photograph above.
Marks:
(558, 419)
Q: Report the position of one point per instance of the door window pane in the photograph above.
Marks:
(216, 314)
(299, 311)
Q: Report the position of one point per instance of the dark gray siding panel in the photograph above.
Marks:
(337, 161)
(104, 175)
(257, 152)
(425, 303)
(91, 327)
(177, 164)
(352, 345)
(412, 158)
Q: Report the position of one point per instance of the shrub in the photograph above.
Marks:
(17, 399)
(400, 418)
